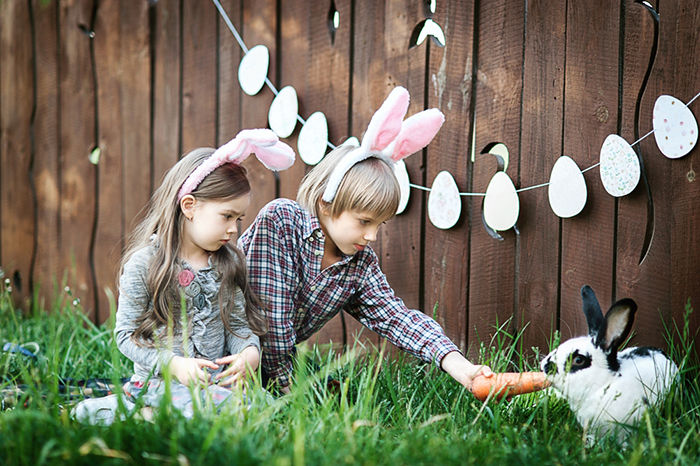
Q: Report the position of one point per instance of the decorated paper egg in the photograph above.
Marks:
(283, 112)
(313, 139)
(567, 188)
(619, 166)
(675, 127)
(252, 70)
(444, 204)
(501, 205)
(402, 176)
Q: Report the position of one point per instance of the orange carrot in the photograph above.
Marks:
(507, 384)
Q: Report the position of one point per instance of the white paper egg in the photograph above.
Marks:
(351, 141)
(313, 139)
(675, 127)
(619, 166)
(567, 188)
(501, 205)
(444, 204)
(404, 183)
(283, 112)
(252, 70)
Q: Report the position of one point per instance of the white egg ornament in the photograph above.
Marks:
(283, 112)
(567, 188)
(404, 183)
(252, 70)
(675, 127)
(313, 139)
(619, 166)
(444, 204)
(501, 204)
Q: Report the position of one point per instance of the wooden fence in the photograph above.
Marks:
(148, 81)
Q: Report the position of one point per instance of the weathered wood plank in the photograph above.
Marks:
(648, 283)
(17, 243)
(167, 79)
(497, 115)
(259, 27)
(229, 91)
(450, 90)
(123, 74)
(327, 89)
(199, 56)
(685, 234)
(46, 156)
(77, 139)
(537, 280)
(590, 109)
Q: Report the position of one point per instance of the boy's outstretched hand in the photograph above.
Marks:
(239, 366)
(462, 370)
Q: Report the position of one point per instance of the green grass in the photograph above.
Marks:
(388, 412)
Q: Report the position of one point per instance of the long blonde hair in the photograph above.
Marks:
(369, 186)
(165, 219)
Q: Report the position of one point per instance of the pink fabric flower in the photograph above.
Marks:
(185, 277)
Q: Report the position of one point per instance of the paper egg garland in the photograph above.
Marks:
(444, 204)
(283, 112)
(567, 188)
(404, 183)
(619, 166)
(313, 139)
(675, 127)
(252, 70)
(501, 204)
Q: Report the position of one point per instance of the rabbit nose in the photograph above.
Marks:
(550, 368)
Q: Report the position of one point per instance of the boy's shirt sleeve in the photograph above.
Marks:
(134, 300)
(377, 307)
(271, 271)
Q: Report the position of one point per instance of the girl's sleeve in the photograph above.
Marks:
(244, 337)
(377, 307)
(134, 300)
(268, 244)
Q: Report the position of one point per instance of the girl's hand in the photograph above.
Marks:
(187, 370)
(462, 370)
(240, 365)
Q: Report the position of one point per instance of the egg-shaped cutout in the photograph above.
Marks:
(567, 188)
(313, 139)
(283, 112)
(675, 127)
(351, 141)
(252, 70)
(619, 166)
(444, 204)
(404, 183)
(501, 204)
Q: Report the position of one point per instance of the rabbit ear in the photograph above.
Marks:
(591, 308)
(385, 124)
(618, 324)
(277, 157)
(416, 132)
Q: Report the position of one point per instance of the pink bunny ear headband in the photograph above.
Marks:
(264, 143)
(389, 137)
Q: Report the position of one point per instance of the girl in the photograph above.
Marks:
(182, 253)
(311, 258)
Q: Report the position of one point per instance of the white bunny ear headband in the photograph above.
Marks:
(264, 143)
(389, 137)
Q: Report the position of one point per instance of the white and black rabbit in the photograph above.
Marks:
(608, 390)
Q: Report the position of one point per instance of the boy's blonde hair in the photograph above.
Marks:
(370, 186)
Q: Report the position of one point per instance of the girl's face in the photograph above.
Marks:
(351, 231)
(213, 223)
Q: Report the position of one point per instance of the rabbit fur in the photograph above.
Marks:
(608, 390)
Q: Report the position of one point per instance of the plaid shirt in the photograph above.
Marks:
(284, 247)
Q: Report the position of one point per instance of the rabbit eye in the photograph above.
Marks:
(578, 361)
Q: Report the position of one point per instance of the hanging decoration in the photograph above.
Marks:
(674, 126)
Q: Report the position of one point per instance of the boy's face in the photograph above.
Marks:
(351, 231)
